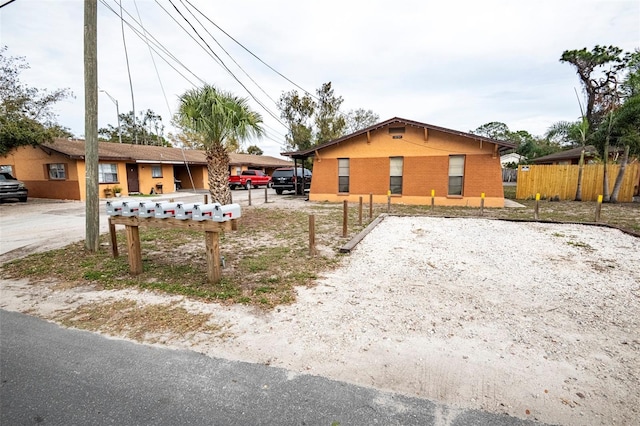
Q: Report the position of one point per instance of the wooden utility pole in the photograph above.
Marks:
(92, 202)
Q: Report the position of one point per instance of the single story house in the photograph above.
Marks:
(511, 158)
(407, 160)
(57, 169)
(570, 156)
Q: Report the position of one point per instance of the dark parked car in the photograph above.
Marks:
(11, 187)
(283, 179)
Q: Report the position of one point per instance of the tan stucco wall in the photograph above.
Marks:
(425, 168)
(30, 166)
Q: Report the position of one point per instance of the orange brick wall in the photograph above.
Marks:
(483, 174)
(425, 168)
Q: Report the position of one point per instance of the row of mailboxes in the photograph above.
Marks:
(194, 211)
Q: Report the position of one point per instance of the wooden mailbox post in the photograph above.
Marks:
(212, 239)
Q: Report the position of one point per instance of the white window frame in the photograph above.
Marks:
(343, 175)
(107, 173)
(396, 165)
(455, 185)
(57, 171)
(156, 171)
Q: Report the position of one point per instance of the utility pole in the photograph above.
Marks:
(92, 201)
(115, 101)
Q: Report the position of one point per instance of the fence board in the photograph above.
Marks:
(562, 181)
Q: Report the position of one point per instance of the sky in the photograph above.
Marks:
(455, 64)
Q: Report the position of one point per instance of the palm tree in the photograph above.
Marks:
(218, 117)
(573, 133)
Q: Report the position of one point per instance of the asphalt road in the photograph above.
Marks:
(56, 376)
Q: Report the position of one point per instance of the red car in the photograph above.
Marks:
(250, 179)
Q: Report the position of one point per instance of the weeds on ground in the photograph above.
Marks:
(268, 256)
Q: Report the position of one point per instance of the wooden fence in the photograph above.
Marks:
(562, 181)
(509, 175)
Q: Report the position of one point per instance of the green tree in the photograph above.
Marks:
(297, 112)
(330, 122)
(599, 73)
(358, 119)
(528, 145)
(218, 116)
(147, 129)
(26, 114)
(312, 122)
(254, 150)
(493, 130)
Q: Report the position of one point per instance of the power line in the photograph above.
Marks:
(251, 53)
(229, 55)
(227, 68)
(157, 45)
(149, 39)
(164, 94)
(126, 55)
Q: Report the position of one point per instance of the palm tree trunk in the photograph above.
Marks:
(218, 167)
(620, 177)
(580, 168)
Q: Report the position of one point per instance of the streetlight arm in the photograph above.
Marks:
(115, 101)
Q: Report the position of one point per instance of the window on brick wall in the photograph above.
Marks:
(57, 171)
(395, 175)
(343, 175)
(456, 174)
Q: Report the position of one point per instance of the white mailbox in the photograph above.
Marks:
(114, 208)
(226, 212)
(204, 211)
(147, 209)
(130, 208)
(184, 210)
(165, 210)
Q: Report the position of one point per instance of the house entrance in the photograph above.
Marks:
(133, 184)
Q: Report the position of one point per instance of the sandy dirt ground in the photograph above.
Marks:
(539, 321)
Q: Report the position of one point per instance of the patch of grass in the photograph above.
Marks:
(267, 257)
(139, 322)
(580, 244)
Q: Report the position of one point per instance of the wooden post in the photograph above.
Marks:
(360, 213)
(345, 216)
(249, 189)
(482, 204)
(536, 209)
(598, 208)
(114, 238)
(135, 253)
(433, 198)
(370, 205)
(212, 253)
(266, 199)
(312, 235)
(92, 201)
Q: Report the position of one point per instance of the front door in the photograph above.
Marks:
(133, 184)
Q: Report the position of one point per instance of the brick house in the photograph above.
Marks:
(57, 169)
(408, 159)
